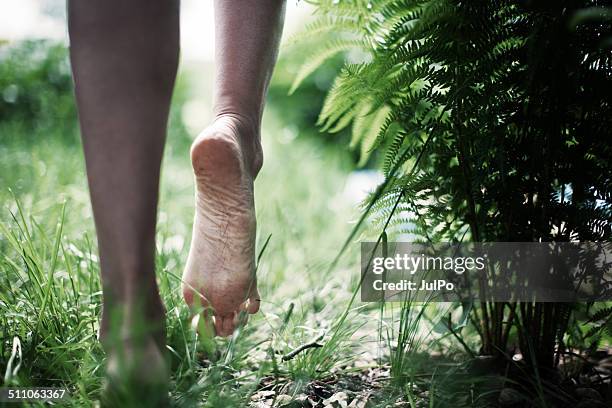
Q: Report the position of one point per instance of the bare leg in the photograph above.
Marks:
(226, 158)
(124, 57)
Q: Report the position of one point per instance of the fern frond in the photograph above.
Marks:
(327, 51)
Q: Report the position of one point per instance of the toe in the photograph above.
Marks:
(195, 300)
(240, 318)
(224, 325)
(204, 325)
(252, 304)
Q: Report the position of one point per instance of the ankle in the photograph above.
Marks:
(250, 120)
(248, 113)
(140, 315)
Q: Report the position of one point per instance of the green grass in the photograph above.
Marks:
(50, 296)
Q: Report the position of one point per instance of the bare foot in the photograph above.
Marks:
(136, 376)
(134, 340)
(220, 270)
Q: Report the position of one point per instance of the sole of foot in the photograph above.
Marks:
(219, 278)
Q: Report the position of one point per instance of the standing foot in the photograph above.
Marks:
(137, 375)
(133, 336)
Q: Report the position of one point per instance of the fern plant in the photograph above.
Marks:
(491, 121)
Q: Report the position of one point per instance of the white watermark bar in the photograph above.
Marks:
(32, 394)
(497, 272)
